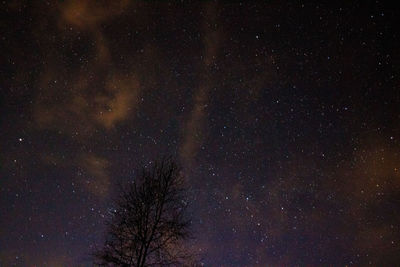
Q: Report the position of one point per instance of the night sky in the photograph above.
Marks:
(285, 117)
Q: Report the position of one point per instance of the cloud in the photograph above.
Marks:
(96, 96)
(95, 177)
(194, 131)
(122, 99)
(87, 107)
(372, 184)
(84, 100)
(89, 14)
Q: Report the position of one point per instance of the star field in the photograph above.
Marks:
(285, 117)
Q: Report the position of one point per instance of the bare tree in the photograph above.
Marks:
(150, 224)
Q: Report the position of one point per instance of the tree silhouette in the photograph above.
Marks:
(150, 224)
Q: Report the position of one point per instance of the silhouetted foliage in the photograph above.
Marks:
(150, 224)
